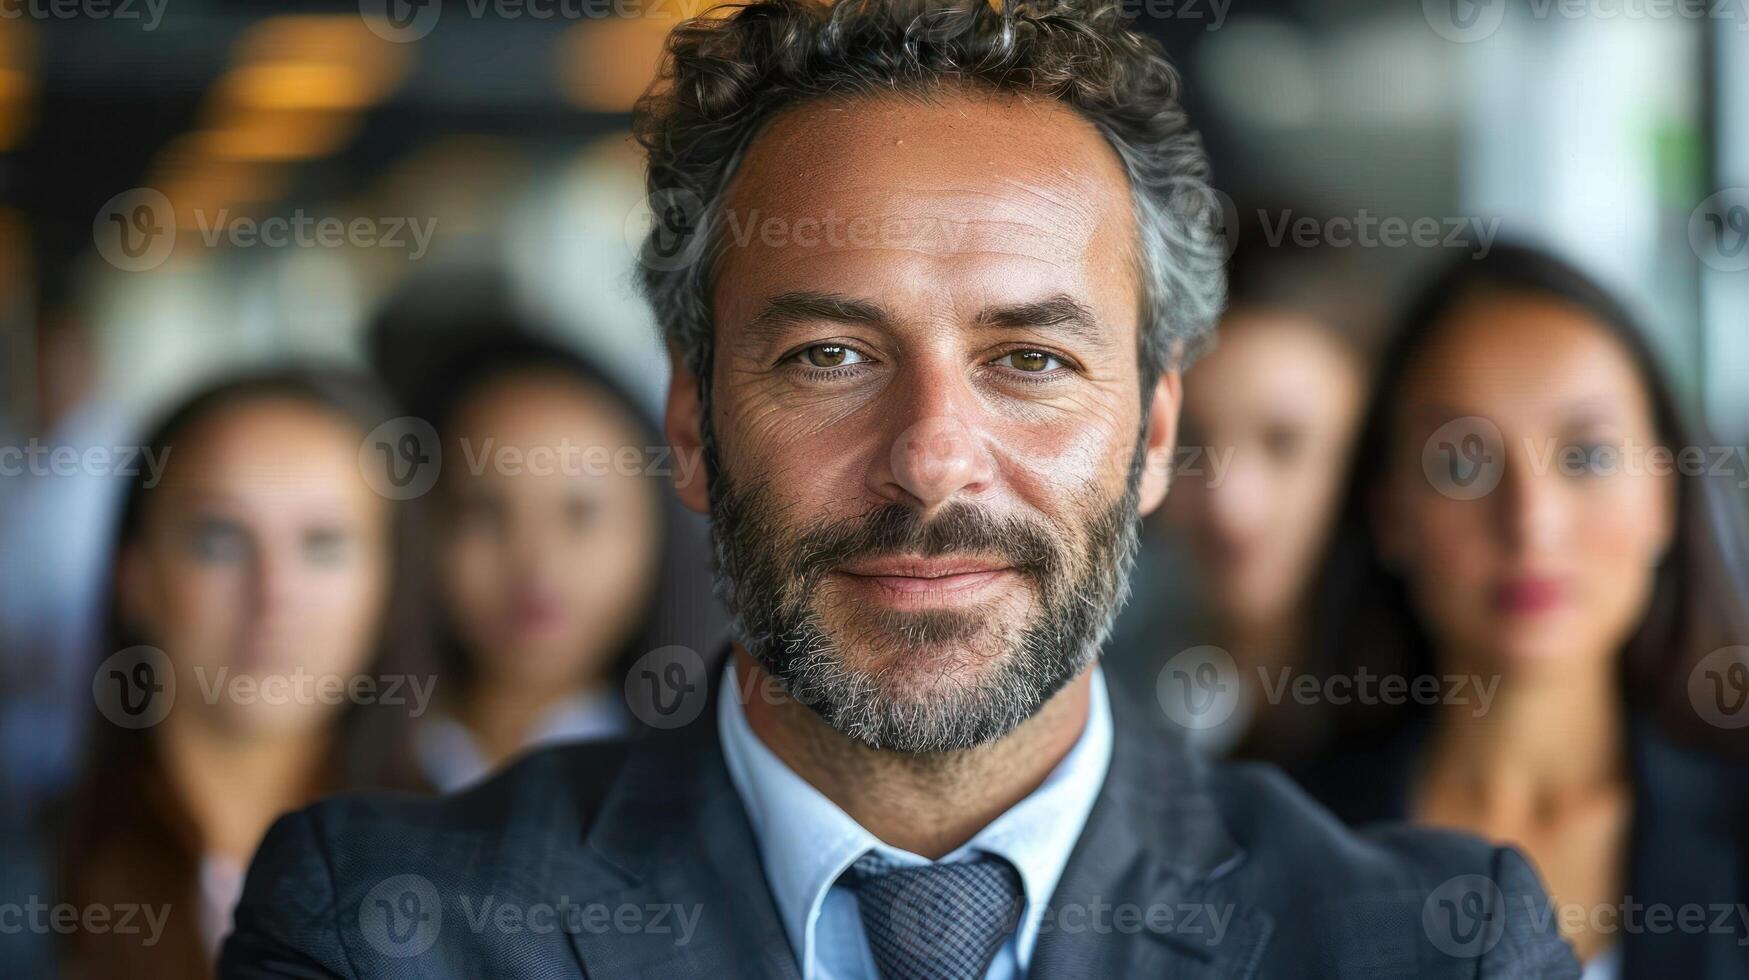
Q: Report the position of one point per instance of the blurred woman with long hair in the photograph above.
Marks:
(551, 536)
(1528, 573)
(255, 634)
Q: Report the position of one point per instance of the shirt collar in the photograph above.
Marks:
(806, 841)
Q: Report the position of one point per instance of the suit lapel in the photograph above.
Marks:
(672, 834)
(1147, 890)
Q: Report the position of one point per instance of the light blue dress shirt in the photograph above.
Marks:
(806, 842)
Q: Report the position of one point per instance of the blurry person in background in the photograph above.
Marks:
(57, 531)
(550, 536)
(1511, 542)
(1269, 416)
(260, 574)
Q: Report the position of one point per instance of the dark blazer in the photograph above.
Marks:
(1185, 869)
(1689, 844)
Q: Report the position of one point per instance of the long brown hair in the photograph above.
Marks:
(126, 837)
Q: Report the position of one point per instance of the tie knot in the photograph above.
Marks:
(936, 920)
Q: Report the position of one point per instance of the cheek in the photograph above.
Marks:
(1621, 529)
(471, 573)
(195, 609)
(1449, 552)
(348, 606)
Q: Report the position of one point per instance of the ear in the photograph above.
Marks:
(682, 425)
(1162, 421)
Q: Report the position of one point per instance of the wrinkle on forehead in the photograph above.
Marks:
(960, 172)
(951, 143)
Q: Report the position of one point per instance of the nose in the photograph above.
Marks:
(1532, 512)
(275, 581)
(940, 450)
(1239, 506)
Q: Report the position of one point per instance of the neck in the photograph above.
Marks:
(1262, 643)
(233, 787)
(501, 716)
(928, 804)
(1538, 742)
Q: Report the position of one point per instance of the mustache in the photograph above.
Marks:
(1029, 546)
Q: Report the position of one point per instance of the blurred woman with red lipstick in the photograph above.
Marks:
(550, 553)
(1518, 547)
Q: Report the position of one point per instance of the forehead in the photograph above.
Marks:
(268, 449)
(1524, 354)
(950, 192)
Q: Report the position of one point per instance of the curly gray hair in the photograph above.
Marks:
(724, 77)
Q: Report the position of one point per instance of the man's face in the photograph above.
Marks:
(926, 416)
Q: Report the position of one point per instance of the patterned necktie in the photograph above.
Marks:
(936, 921)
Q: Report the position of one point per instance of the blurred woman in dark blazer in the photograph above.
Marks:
(1527, 555)
(255, 585)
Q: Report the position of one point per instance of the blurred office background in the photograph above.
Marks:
(499, 130)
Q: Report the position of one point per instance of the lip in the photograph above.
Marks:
(927, 580)
(1529, 595)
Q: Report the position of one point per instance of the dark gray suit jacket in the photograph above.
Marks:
(637, 860)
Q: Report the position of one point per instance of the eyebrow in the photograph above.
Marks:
(1059, 311)
(790, 309)
(1062, 311)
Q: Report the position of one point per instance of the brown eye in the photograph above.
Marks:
(831, 356)
(1031, 361)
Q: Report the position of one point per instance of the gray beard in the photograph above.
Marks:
(768, 575)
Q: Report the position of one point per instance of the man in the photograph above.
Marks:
(929, 273)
